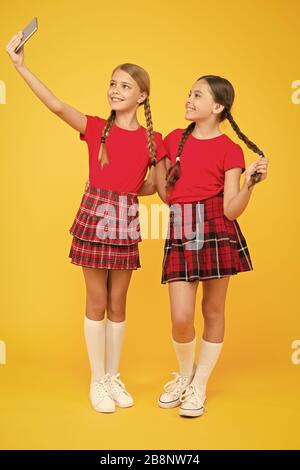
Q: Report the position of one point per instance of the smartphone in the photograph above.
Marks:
(28, 32)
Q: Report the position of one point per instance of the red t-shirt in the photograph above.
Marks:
(128, 155)
(203, 163)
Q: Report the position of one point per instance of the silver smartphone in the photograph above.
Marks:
(28, 32)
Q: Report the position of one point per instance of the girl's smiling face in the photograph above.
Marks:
(124, 93)
(200, 104)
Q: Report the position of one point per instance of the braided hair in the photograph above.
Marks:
(223, 93)
(143, 80)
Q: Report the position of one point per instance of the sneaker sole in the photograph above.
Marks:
(172, 404)
(124, 406)
(103, 410)
(191, 413)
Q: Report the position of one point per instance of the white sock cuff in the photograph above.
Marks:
(210, 344)
(93, 323)
(190, 343)
(115, 324)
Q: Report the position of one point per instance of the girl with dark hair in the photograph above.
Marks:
(106, 229)
(200, 181)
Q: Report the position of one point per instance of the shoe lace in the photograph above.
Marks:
(117, 385)
(174, 387)
(101, 386)
(192, 394)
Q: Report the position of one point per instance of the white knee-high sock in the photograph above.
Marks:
(115, 332)
(94, 332)
(185, 353)
(208, 356)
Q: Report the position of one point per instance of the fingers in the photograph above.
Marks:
(261, 164)
(261, 169)
(15, 40)
(262, 160)
(15, 43)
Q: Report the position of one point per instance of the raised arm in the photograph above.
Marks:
(70, 115)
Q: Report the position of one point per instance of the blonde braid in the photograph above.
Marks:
(150, 136)
(102, 156)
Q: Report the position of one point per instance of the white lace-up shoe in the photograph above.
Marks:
(118, 392)
(192, 403)
(100, 396)
(170, 398)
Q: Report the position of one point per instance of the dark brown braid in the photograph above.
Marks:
(102, 156)
(223, 93)
(173, 173)
(256, 176)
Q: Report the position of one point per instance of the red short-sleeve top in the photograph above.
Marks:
(203, 163)
(128, 155)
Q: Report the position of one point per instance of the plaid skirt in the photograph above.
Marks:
(202, 243)
(103, 255)
(106, 230)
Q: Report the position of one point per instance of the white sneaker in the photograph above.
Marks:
(100, 396)
(192, 402)
(118, 392)
(173, 391)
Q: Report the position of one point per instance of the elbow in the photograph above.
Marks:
(56, 107)
(228, 212)
(229, 215)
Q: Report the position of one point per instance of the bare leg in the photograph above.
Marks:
(182, 296)
(117, 287)
(96, 292)
(213, 308)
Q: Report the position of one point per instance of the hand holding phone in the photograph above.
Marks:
(17, 42)
(28, 31)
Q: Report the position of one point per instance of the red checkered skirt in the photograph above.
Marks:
(106, 230)
(202, 243)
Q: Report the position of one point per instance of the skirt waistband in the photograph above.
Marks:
(108, 192)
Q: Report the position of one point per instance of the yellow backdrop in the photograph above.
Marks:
(253, 394)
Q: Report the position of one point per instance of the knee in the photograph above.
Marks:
(96, 305)
(212, 311)
(116, 309)
(182, 322)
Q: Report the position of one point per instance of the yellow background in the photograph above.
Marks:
(253, 394)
